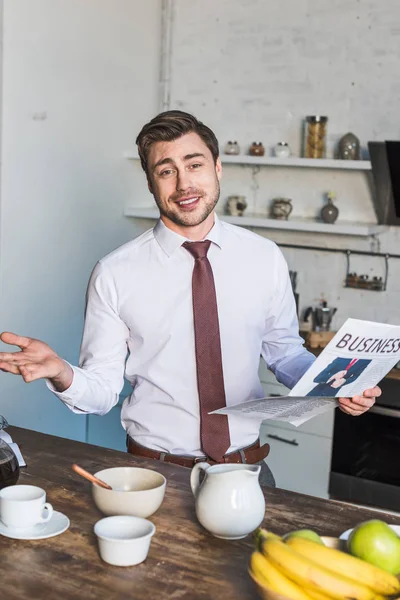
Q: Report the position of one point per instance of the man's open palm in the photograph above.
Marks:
(34, 360)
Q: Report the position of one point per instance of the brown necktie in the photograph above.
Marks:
(214, 429)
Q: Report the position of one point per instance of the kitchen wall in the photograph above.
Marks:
(79, 80)
(252, 70)
(267, 64)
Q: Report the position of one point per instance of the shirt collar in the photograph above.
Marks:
(171, 241)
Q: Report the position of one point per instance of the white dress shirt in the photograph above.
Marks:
(139, 323)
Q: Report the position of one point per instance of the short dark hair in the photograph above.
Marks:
(169, 126)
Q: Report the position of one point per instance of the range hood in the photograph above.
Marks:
(385, 162)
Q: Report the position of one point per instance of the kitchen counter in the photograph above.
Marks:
(184, 561)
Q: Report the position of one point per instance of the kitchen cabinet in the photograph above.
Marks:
(300, 457)
(299, 461)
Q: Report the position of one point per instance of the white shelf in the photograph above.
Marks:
(290, 225)
(293, 161)
(311, 163)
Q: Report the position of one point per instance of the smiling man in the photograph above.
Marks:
(183, 312)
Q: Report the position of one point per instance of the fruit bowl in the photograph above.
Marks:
(345, 534)
(266, 593)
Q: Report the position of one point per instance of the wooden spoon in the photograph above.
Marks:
(90, 477)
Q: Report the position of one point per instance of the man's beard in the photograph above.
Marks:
(197, 217)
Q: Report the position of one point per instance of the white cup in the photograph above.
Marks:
(124, 540)
(24, 506)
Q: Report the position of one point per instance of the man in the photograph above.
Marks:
(183, 311)
(340, 372)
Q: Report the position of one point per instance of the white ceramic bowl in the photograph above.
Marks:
(345, 535)
(138, 492)
(124, 541)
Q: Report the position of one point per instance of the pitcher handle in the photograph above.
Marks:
(195, 476)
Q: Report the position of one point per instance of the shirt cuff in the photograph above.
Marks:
(292, 368)
(76, 390)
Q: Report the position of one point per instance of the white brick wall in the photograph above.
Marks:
(252, 70)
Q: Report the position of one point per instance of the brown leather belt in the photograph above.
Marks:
(251, 455)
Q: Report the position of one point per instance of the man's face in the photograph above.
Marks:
(184, 180)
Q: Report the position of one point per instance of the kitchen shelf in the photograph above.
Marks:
(311, 163)
(290, 225)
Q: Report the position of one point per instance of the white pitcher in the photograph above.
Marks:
(229, 501)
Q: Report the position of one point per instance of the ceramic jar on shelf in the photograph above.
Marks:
(282, 150)
(330, 212)
(349, 147)
(257, 149)
(232, 148)
(315, 136)
(281, 208)
(235, 205)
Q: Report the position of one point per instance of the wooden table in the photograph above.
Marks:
(184, 562)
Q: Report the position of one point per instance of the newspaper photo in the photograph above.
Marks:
(357, 358)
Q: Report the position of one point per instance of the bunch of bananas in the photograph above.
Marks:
(301, 569)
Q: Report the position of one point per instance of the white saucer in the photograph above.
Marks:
(346, 534)
(56, 525)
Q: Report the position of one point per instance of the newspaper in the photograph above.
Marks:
(357, 358)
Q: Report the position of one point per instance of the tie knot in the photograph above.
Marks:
(197, 249)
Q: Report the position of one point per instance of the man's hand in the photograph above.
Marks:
(359, 404)
(35, 360)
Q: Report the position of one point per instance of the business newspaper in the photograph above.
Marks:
(357, 358)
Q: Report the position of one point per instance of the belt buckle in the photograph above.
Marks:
(242, 456)
(238, 456)
(206, 459)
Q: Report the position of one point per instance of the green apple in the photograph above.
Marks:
(375, 542)
(308, 534)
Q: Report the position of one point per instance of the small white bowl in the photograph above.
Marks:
(124, 541)
(136, 491)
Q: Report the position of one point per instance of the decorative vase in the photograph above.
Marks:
(330, 212)
(281, 208)
(257, 149)
(349, 147)
(282, 150)
(232, 148)
(236, 205)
